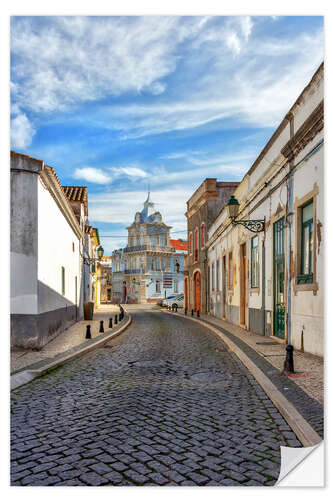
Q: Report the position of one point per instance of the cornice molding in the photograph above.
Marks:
(310, 128)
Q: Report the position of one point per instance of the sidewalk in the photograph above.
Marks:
(309, 369)
(72, 337)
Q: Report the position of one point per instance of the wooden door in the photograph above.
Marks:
(186, 294)
(197, 291)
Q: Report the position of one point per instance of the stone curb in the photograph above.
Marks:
(303, 430)
(25, 376)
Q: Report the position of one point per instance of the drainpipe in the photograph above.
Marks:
(289, 361)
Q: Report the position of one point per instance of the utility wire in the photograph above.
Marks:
(125, 235)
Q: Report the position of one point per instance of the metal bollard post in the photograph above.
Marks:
(289, 361)
(110, 323)
(198, 313)
(88, 332)
(185, 311)
(115, 319)
(192, 312)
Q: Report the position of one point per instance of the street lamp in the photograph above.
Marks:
(255, 225)
(100, 252)
(92, 260)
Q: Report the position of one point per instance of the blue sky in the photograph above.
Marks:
(116, 103)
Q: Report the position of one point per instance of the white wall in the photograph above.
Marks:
(55, 239)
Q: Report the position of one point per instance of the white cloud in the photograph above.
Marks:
(94, 175)
(121, 206)
(128, 171)
(22, 130)
(223, 70)
(62, 61)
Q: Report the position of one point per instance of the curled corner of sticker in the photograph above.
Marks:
(291, 473)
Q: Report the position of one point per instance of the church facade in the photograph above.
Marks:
(151, 266)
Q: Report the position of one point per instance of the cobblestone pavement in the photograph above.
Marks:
(165, 403)
(309, 368)
(71, 337)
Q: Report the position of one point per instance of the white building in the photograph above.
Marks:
(46, 265)
(272, 282)
(151, 266)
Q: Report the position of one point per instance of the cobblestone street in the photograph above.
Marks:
(165, 403)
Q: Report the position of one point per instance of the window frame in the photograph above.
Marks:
(299, 204)
(306, 277)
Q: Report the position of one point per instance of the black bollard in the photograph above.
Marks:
(88, 332)
(110, 323)
(115, 319)
(192, 312)
(289, 361)
(101, 327)
(185, 311)
(176, 307)
(198, 313)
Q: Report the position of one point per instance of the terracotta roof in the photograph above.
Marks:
(51, 169)
(178, 244)
(77, 193)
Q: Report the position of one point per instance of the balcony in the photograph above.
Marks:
(152, 248)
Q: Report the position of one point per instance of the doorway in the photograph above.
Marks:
(279, 279)
(197, 291)
(186, 294)
(224, 285)
(242, 267)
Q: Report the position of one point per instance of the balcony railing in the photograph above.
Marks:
(152, 248)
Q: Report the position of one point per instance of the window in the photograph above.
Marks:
(196, 252)
(217, 275)
(190, 244)
(255, 262)
(202, 235)
(158, 287)
(73, 247)
(63, 281)
(306, 270)
(230, 271)
(176, 288)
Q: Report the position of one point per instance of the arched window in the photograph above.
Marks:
(190, 243)
(196, 250)
(202, 235)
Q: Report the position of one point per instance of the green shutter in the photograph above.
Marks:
(63, 280)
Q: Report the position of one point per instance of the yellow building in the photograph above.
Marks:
(96, 269)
